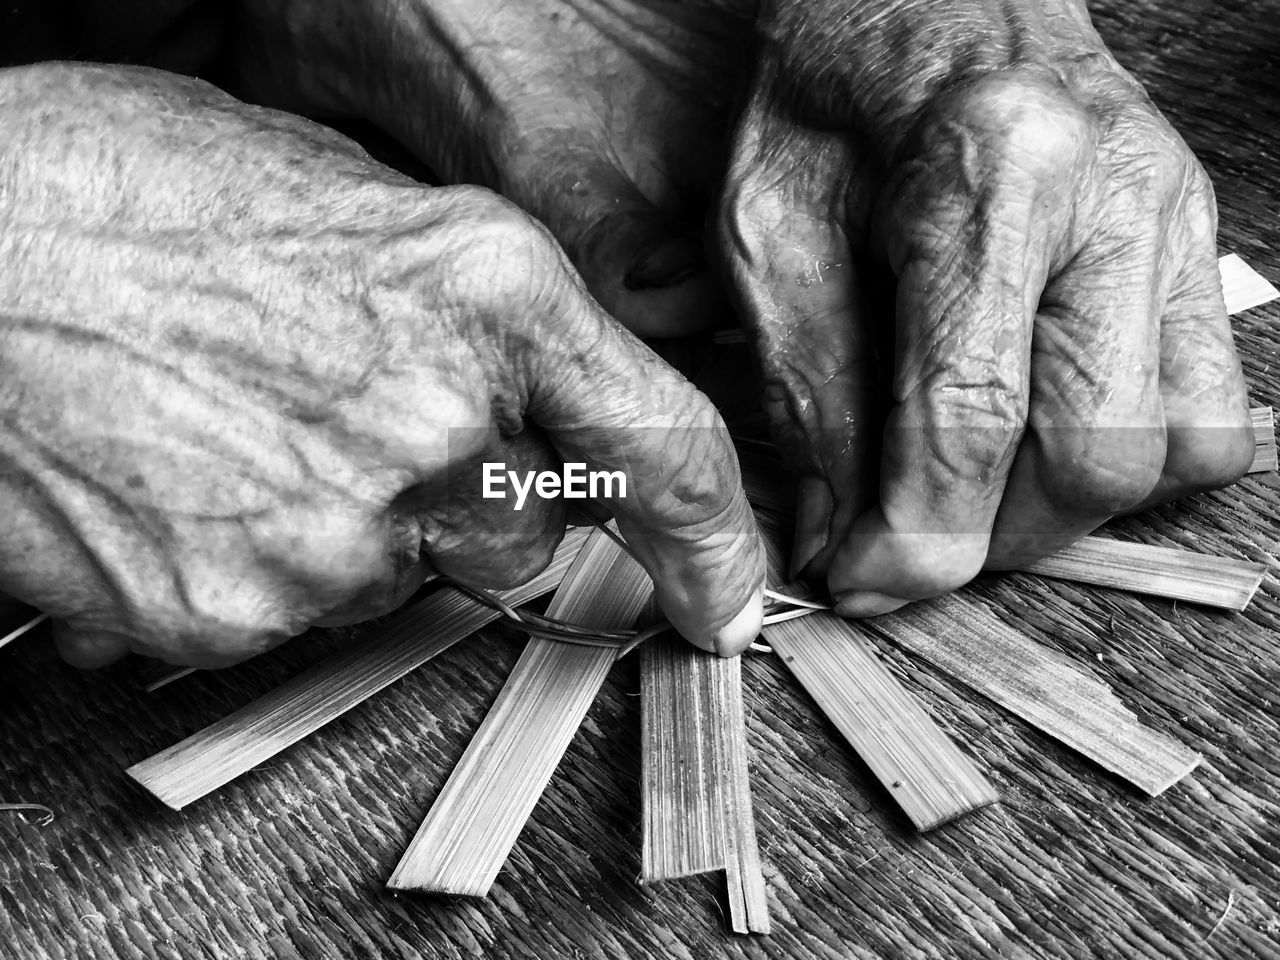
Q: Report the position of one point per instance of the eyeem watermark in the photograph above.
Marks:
(574, 482)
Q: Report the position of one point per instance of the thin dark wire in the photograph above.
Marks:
(550, 628)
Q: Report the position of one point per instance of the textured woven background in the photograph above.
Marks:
(290, 861)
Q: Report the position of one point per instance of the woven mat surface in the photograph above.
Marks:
(289, 861)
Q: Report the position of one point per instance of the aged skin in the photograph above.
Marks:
(239, 362)
(978, 264)
(606, 120)
(1061, 351)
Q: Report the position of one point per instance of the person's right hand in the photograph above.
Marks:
(980, 271)
(249, 376)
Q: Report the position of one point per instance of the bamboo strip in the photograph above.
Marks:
(1042, 687)
(224, 750)
(1098, 561)
(30, 625)
(172, 675)
(1243, 288)
(918, 765)
(680, 786)
(696, 797)
(748, 904)
(481, 810)
(914, 760)
(1158, 571)
(1264, 439)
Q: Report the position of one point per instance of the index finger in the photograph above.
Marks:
(608, 402)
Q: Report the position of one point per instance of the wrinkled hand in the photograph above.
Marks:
(605, 120)
(981, 270)
(249, 377)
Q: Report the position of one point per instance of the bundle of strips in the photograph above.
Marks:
(697, 811)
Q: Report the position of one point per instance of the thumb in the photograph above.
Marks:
(607, 401)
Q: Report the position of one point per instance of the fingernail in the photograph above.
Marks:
(667, 264)
(867, 603)
(739, 633)
(813, 519)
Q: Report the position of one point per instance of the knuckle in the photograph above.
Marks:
(970, 421)
(1033, 120)
(1161, 176)
(704, 491)
(754, 219)
(499, 252)
(1150, 164)
(1202, 190)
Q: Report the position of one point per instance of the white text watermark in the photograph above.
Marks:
(573, 482)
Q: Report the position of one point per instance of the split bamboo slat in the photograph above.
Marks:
(19, 630)
(915, 761)
(1040, 686)
(1264, 440)
(224, 750)
(681, 788)
(1243, 288)
(1158, 571)
(748, 905)
(481, 810)
(1098, 561)
(696, 798)
(919, 766)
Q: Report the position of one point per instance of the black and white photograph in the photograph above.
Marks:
(627, 479)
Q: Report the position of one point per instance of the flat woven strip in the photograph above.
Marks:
(918, 765)
(1158, 571)
(224, 750)
(1042, 687)
(744, 875)
(23, 628)
(682, 807)
(1243, 288)
(475, 820)
(1264, 440)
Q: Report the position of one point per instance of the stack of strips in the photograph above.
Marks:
(695, 792)
(1264, 440)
